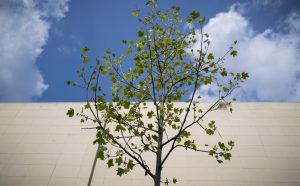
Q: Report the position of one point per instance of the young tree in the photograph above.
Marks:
(141, 116)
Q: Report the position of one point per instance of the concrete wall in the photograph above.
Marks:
(40, 146)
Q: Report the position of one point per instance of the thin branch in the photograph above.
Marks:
(198, 150)
(152, 80)
(90, 128)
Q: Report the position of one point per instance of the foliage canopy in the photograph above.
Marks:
(141, 112)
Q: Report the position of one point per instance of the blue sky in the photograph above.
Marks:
(40, 42)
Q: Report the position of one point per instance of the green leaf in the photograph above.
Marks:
(202, 21)
(194, 15)
(120, 171)
(108, 51)
(119, 128)
(233, 53)
(225, 89)
(140, 33)
(174, 180)
(87, 106)
(103, 70)
(101, 155)
(166, 182)
(223, 73)
(100, 141)
(211, 124)
(130, 164)
(169, 106)
(210, 56)
(110, 163)
(221, 145)
(85, 49)
(101, 151)
(119, 160)
(113, 80)
(168, 41)
(155, 137)
(219, 161)
(245, 75)
(150, 114)
(85, 59)
(187, 143)
(68, 82)
(227, 156)
(211, 152)
(135, 13)
(70, 112)
(231, 143)
(209, 132)
(185, 133)
(93, 88)
(129, 51)
(126, 104)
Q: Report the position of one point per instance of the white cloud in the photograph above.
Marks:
(23, 33)
(271, 58)
(54, 8)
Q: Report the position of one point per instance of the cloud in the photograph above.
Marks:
(23, 33)
(54, 8)
(271, 58)
(266, 3)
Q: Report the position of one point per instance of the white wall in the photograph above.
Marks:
(40, 146)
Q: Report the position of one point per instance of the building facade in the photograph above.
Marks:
(40, 145)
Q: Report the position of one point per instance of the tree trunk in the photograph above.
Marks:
(158, 161)
(158, 168)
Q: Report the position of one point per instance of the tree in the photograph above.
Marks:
(141, 112)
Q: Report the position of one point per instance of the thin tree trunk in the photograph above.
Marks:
(158, 161)
(158, 169)
(93, 168)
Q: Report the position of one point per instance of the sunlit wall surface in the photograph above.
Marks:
(40, 146)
